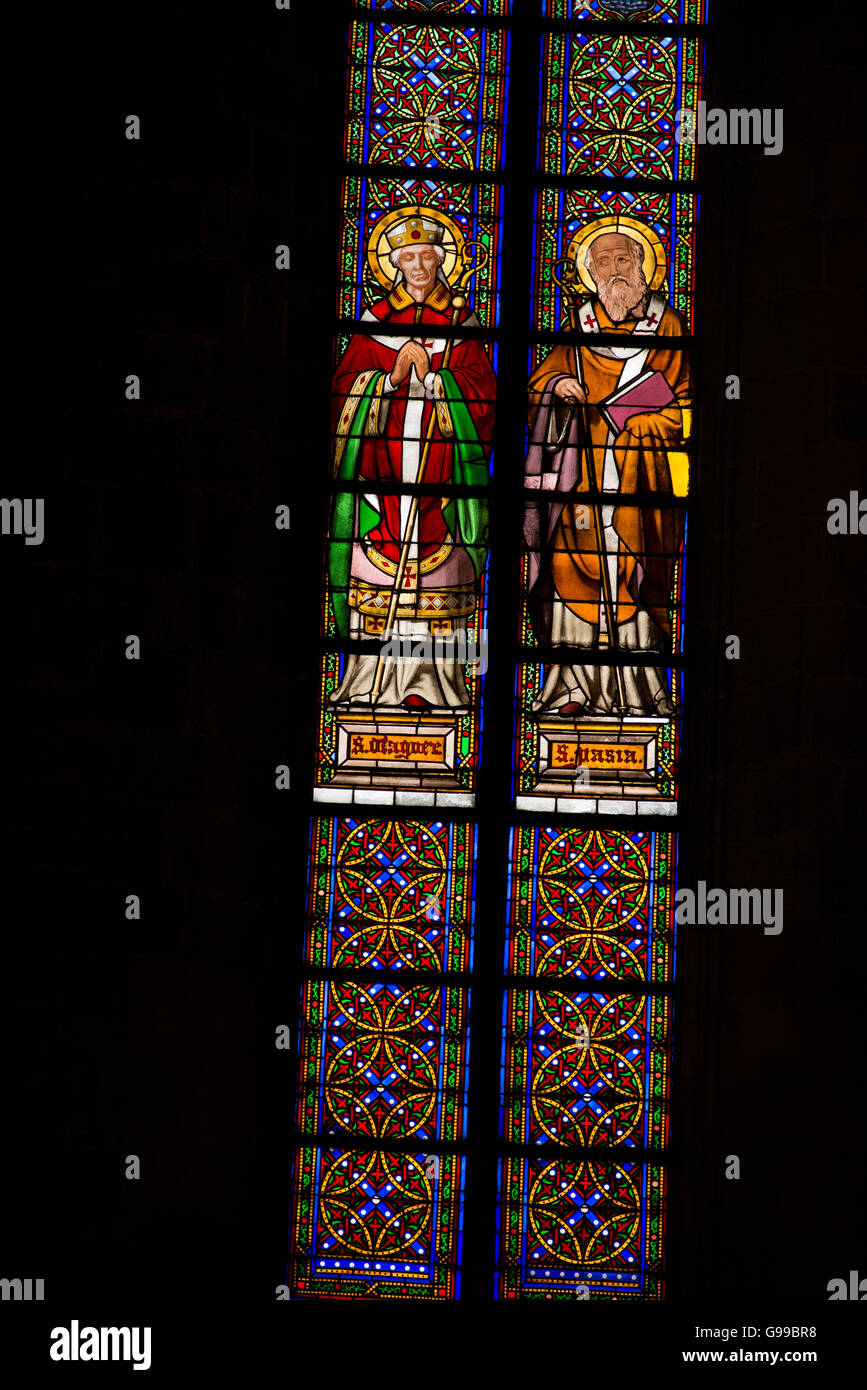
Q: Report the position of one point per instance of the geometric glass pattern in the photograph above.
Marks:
(376, 1224)
(586, 1061)
(633, 11)
(385, 1061)
(383, 1053)
(585, 1068)
(391, 895)
(609, 104)
(578, 1228)
(494, 8)
(426, 96)
(596, 904)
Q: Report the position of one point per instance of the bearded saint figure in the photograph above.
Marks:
(386, 389)
(574, 603)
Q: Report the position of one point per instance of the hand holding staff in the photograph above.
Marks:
(568, 282)
(458, 305)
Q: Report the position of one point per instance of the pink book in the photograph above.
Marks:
(646, 394)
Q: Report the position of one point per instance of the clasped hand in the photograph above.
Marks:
(410, 355)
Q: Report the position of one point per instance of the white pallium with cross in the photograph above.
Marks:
(634, 360)
(411, 456)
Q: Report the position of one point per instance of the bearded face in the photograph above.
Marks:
(615, 265)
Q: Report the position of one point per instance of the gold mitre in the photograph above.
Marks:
(415, 231)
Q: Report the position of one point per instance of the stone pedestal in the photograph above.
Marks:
(585, 761)
(396, 748)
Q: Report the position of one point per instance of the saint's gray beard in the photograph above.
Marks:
(619, 300)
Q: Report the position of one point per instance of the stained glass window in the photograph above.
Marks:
(609, 105)
(587, 1041)
(631, 11)
(407, 550)
(381, 1109)
(586, 1060)
(585, 851)
(383, 1060)
(435, 7)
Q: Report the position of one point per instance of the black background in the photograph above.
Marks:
(157, 777)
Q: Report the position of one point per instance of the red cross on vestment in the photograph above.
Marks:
(590, 321)
(651, 318)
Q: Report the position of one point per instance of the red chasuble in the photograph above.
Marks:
(398, 420)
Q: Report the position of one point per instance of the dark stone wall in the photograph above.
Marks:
(773, 1032)
(157, 777)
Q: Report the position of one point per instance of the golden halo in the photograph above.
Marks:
(655, 260)
(378, 249)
